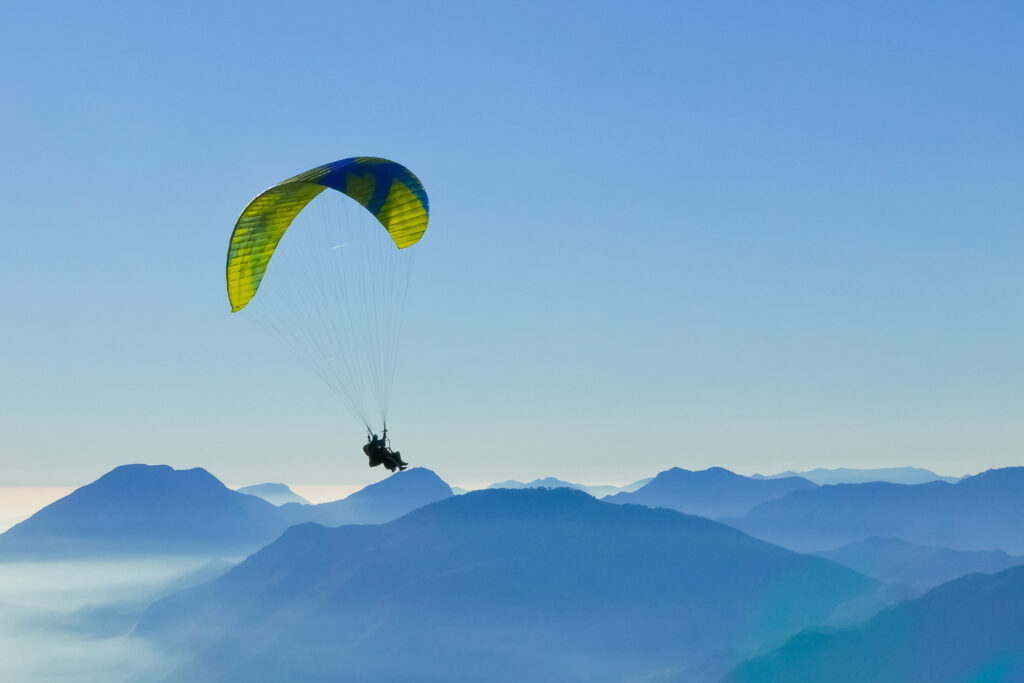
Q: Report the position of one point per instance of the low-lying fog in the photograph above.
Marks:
(71, 621)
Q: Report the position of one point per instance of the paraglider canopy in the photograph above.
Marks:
(386, 189)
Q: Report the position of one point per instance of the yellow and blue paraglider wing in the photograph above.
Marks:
(386, 189)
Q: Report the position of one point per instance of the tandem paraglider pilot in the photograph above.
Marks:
(379, 453)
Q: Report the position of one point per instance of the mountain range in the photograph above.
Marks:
(154, 509)
(596, 490)
(714, 492)
(501, 585)
(848, 475)
(981, 512)
(402, 580)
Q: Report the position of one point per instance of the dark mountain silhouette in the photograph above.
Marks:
(501, 585)
(847, 475)
(144, 509)
(982, 512)
(968, 630)
(923, 567)
(154, 509)
(278, 494)
(383, 501)
(714, 492)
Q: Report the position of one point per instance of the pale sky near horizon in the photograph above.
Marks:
(761, 236)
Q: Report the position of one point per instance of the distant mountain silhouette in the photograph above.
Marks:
(136, 509)
(384, 501)
(970, 630)
(501, 585)
(982, 512)
(923, 567)
(596, 490)
(714, 492)
(846, 475)
(545, 483)
(278, 494)
(154, 509)
(639, 483)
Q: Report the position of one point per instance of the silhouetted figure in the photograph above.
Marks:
(379, 453)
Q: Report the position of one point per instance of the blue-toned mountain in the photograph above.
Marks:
(501, 585)
(146, 509)
(154, 509)
(892, 560)
(968, 630)
(278, 494)
(388, 499)
(849, 475)
(982, 512)
(713, 493)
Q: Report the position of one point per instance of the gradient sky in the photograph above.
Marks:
(757, 235)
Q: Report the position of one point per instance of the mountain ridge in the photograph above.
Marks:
(969, 629)
(894, 560)
(154, 509)
(462, 582)
(851, 475)
(976, 513)
(714, 492)
(278, 494)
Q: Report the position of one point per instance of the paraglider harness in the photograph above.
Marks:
(378, 450)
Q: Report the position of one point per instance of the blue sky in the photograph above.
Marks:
(764, 237)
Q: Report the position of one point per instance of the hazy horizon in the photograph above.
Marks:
(19, 502)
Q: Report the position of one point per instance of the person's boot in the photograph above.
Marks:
(397, 455)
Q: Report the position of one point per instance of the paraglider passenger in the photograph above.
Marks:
(376, 449)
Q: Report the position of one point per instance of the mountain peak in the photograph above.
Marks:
(141, 474)
(715, 492)
(400, 483)
(391, 497)
(278, 494)
(146, 508)
(497, 504)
